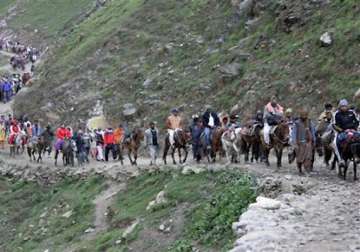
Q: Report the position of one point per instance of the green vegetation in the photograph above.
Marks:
(199, 208)
(49, 17)
(202, 207)
(32, 215)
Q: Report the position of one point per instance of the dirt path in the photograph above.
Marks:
(324, 218)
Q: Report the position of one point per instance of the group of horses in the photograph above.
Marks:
(37, 147)
(230, 143)
(249, 140)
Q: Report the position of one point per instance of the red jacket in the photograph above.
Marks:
(109, 138)
(61, 133)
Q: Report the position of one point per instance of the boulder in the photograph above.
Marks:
(266, 203)
(357, 94)
(191, 170)
(147, 83)
(130, 229)
(244, 7)
(129, 109)
(68, 214)
(326, 39)
(160, 199)
(231, 70)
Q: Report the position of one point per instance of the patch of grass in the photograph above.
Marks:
(34, 214)
(49, 17)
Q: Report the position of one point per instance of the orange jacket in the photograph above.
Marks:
(119, 135)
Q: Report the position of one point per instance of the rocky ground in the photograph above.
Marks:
(314, 212)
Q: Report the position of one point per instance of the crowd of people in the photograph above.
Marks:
(11, 84)
(101, 143)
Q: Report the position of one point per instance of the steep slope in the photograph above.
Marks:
(164, 53)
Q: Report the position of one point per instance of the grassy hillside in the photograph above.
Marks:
(198, 211)
(183, 50)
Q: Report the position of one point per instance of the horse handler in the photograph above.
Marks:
(152, 142)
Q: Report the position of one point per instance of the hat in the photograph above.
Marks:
(174, 110)
(343, 103)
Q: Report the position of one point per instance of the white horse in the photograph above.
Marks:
(231, 144)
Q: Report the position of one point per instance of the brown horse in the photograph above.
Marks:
(216, 146)
(324, 138)
(133, 144)
(250, 140)
(181, 140)
(279, 139)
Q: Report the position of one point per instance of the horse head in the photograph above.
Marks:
(282, 132)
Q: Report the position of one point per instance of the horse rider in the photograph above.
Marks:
(173, 124)
(272, 112)
(327, 114)
(210, 121)
(196, 129)
(234, 121)
(62, 133)
(152, 142)
(259, 118)
(345, 123)
(36, 130)
(302, 139)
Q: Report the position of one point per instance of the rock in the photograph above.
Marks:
(130, 229)
(162, 227)
(357, 94)
(266, 203)
(326, 39)
(117, 242)
(270, 187)
(147, 83)
(231, 70)
(243, 6)
(160, 199)
(129, 109)
(192, 170)
(89, 230)
(68, 214)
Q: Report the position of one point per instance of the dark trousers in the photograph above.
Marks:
(108, 148)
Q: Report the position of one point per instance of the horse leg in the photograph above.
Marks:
(166, 149)
(179, 151)
(129, 156)
(345, 169)
(355, 170)
(279, 153)
(135, 157)
(56, 156)
(173, 155)
(299, 165)
(186, 154)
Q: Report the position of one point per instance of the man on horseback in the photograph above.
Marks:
(210, 121)
(327, 114)
(173, 124)
(346, 124)
(303, 140)
(234, 121)
(62, 133)
(196, 130)
(272, 112)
